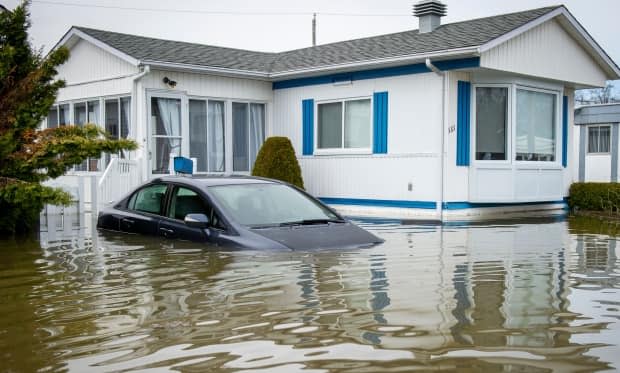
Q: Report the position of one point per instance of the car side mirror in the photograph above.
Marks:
(197, 221)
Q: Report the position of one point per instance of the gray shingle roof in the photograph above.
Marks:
(449, 36)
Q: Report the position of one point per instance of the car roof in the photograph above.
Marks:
(207, 181)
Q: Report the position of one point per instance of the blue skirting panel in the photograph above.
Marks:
(462, 123)
(380, 122)
(379, 203)
(427, 205)
(417, 68)
(307, 120)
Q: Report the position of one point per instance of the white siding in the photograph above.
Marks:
(88, 62)
(546, 51)
(209, 85)
(96, 89)
(414, 140)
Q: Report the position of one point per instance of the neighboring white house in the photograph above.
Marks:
(596, 142)
(448, 122)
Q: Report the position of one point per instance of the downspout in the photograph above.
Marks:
(134, 114)
(442, 176)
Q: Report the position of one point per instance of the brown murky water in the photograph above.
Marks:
(495, 297)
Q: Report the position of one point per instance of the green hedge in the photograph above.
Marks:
(276, 160)
(595, 197)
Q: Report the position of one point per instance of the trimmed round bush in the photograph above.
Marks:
(595, 197)
(276, 160)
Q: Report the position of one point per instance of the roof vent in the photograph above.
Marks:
(430, 13)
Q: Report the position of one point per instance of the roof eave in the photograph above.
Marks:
(596, 51)
(238, 73)
(376, 63)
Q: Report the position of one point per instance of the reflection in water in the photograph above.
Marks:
(535, 297)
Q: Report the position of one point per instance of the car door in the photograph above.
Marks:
(144, 210)
(185, 200)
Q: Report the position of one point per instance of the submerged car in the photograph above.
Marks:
(238, 212)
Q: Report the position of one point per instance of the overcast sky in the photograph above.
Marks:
(284, 24)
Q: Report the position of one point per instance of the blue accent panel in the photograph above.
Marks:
(564, 131)
(307, 113)
(379, 203)
(380, 122)
(378, 73)
(473, 205)
(463, 123)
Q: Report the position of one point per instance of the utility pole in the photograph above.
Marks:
(314, 29)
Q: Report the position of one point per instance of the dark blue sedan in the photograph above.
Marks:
(237, 212)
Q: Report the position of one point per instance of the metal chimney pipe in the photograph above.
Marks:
(314, 30)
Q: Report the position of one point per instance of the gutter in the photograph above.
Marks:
(444, 98)
(134, 104)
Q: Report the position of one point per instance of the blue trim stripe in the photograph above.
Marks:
(473, 205)
(564, 131)
(463, 123)
(380, 122)
(377, 73)
(307, 112)
(427, 205)
(379, 203)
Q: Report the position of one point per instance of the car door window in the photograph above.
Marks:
(186, 201)
(149, 199)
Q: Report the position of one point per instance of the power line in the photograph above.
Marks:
(215, 12)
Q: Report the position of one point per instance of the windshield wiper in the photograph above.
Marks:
(311, 222)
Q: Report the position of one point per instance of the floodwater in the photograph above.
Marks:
(537, 295)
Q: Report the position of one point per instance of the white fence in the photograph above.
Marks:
(119, 178)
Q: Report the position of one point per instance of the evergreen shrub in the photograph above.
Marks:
(595, 197)
(276, 160)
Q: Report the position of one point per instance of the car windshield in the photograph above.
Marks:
(264, 205)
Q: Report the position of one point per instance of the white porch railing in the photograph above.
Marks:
(119, 178)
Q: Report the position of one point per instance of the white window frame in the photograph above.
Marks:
(508, 131)
(206, 100)
(342, 150)
(558, 127)
(599, 126)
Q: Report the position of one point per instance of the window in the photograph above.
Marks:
(166, 132)
(599, 139)
(86, 113)
(206, 140)
(344, 125)
(536, 126)
(248, 121)
(185, 201)
(58, 116)
(491, 123)
(148, 199)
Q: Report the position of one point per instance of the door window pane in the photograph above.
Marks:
(240, 136)
(186, 201)
(598, 139)
(357, 124)
(216, 136)
(166, 129)
(330, 125)
(535, 126)
(491, 119)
